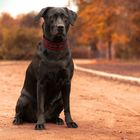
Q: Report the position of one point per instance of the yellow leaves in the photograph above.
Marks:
(120, 38)
(84, 39)
(105, 21)
(18, 40)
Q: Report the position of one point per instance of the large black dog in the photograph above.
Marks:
(47, 85)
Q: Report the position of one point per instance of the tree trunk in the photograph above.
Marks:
(109, 50)
(94, 50)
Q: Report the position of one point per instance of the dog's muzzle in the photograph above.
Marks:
(60, 29)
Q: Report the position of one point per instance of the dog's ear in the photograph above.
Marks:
(41, 13)
(72, 16)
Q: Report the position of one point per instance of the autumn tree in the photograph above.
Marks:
(6, 21)
(110, 21)
(28, 20)
(18, 37)
(133, 12)
(98, 20)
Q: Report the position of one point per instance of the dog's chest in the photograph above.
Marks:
(54, 68)
(53, 77)
(56, 79)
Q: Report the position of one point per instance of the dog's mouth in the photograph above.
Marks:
(59, 37)
(60, 34)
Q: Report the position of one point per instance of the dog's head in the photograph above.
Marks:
(56, 22)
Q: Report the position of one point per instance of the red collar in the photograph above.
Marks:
(55, 46)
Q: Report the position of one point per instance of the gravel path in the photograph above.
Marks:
(114, 67)
(104, 109)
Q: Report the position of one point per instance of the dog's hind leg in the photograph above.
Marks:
(22, 102)
(56, 113)
(53, 115)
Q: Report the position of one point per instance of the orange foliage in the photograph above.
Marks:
(111, 21)
(18, 37)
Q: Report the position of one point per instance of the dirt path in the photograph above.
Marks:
(127, 68)
(104, 110)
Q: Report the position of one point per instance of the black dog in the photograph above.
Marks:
(47, 84)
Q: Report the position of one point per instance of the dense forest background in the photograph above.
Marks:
(107, 29)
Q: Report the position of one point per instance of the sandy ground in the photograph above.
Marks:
(123, 67)
(103, 109)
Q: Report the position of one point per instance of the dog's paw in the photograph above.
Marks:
(39, 127)
(17, 121)
(59, 121)
(72, 125)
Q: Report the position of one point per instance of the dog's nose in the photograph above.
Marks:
(60, 28)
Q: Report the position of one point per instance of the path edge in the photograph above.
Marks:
(118, 77)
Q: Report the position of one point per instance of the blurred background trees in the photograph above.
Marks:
(104, 29)
(18, 37)
(110, 27)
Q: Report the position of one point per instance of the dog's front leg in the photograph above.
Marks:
(40, 107)
(66, 99)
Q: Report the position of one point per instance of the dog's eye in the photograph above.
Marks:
(63, 16)
(65, 19)
(55, 16)
(51, 21)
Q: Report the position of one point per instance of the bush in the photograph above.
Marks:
(129, 51)
(18, 39)
(19, 43)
